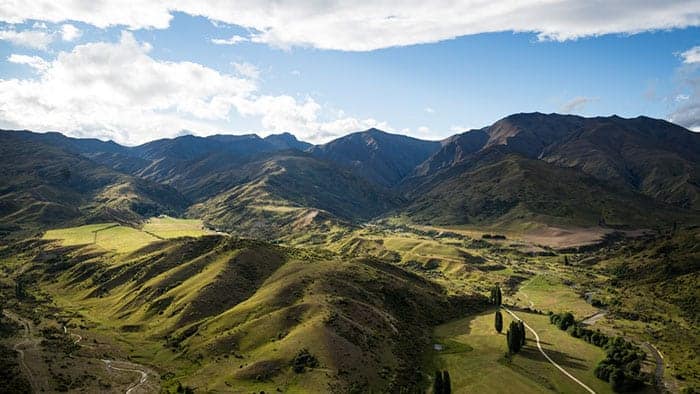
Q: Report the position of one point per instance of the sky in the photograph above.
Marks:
(133, 71)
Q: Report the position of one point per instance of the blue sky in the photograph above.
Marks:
(326, 82)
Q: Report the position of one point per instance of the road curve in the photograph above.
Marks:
(659, 371)
(26, 325)
(133, 387)
(539, 346)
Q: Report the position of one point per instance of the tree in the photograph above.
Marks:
(566, 260)
(514, 338)
(521, 328)
(437, 383)
(446, 383)
(495, 297)
(498, 323)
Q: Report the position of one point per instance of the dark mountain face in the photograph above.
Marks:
(377, 156)
(653, 157)
(293, 191)
(287, 141)
(525, 167)
(44, 185)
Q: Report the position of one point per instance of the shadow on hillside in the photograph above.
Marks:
(530, 351)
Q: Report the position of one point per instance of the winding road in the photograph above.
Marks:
(539, 346)
(135, 368)
(28, 340)
(659, 371)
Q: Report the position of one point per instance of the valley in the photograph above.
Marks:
(247, 264)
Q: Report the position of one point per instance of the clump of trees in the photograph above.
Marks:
(562, 320)
(515, 337)
(496, 295)
(498, 322)
(442, 383)
(622, 364)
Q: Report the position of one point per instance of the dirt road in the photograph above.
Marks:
(539, 346)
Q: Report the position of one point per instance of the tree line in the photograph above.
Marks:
(621, 366)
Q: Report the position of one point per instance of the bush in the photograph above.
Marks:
(302, 360)
(562, 320)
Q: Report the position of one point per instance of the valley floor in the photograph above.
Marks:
(131, 327)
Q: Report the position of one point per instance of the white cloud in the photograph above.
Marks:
(691, 56)
(246, 70)
(577, 104)
(429, 110)
(70, 32)
(682, 97)
(229, 41)
(37, 39)
(118, 91)
(368, 25)
(35, 62)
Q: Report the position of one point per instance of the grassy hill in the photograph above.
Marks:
(288, 193)
(223, 312)
(44, 186)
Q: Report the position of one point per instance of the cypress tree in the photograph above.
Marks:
(521, 327)
(437, 384)
(498, 323)
(498, 296)
(446, 383)
(514, 338)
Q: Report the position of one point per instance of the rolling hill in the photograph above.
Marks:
(288, 193)
(229, 312)
(44, 186)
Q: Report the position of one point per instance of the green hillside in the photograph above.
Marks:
(508, 189)
(43, 186)
(224, 312)
(288, 194)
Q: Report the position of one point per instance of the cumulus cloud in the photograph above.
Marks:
(577, 104)
(36, 39)
(247, 70)
(116, 90)
(229, 41)
(70, 32)
(687, 112)
(691, 56)
(369, 25)
(35, 62)
(687, 104)
(429, 110)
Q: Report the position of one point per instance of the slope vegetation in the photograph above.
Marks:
(246, 314)
(45, 186)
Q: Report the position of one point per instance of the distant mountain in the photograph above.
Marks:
(44, 185)
(287, 192)
(287, 141)
(532, 167)
(498, 187)
(377, 156)
(644, 168)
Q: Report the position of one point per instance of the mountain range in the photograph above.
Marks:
(535, 168)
